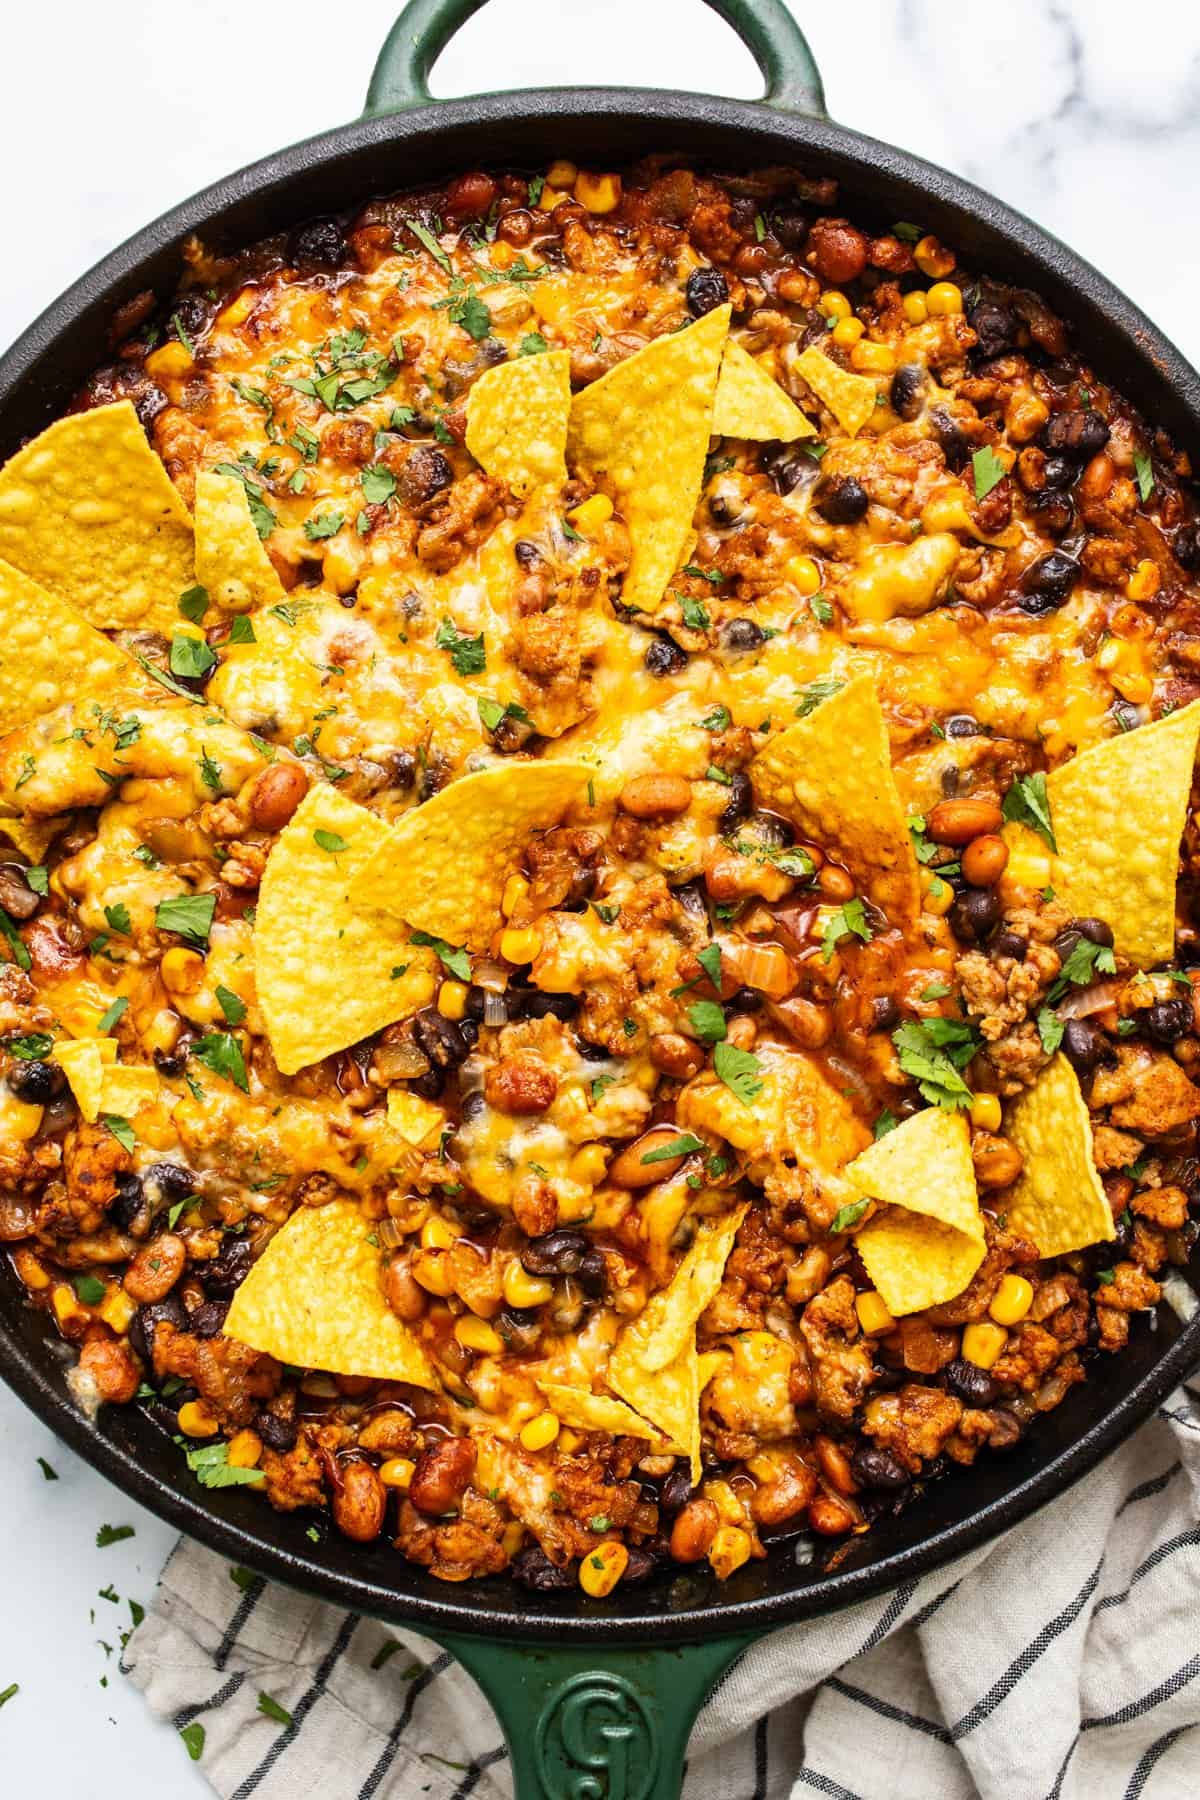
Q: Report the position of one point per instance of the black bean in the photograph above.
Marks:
(885, 1014)
(790, 226)
(533, 1569)
(222, 1277)
(970, 1382)
(592, 1274)
(321, 242)
(741, 635)
(536, 1005)
(129, 1203)
(583, 886)
(441, 1039)
(555, 1253)
(725, 507)
(193, 312)
(975, 915)
(1047, 583)
(208, 1319)
(1084, 1045)
(36, 1082)
(788, 469)
(744, 1000)
(170, 1181)
(1169, 1020)
(964, 725)
(528, 555)
(872, 1467)
(477, 999)
(994, 325)
(766, 831)
(425, 473)
(1186, 546)
(1053, 511)
(951, 437)
(690, 896)
(706, 288)
(1066, 941)
(276, 1433)
(16, 895)
(640, 1566)
(469, 1032)
(1010, 943)
(739, 804)
(1095, 931)
(664, 657)
(429, 1085)
(908, 391)
(520, 1326)
(840, 499)
(676, 1491)
(172, 1063)
(1060, 471)
(147, 1319)
(1080, 434)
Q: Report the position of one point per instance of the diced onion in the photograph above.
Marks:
(495, 1009)
(491, 975)
(400, 1062)
(389, 1233)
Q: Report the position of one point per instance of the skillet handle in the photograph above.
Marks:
(609, 1723)
(425, 27)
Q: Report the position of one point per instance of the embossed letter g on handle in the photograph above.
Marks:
(596, 1741)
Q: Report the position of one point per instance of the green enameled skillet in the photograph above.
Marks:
(597, 1698)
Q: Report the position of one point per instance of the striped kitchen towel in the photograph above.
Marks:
(1062, 1663)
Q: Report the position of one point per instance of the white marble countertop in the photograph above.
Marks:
(1082, 113)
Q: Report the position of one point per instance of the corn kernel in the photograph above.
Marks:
(763, 1467)
(182, 970)
(195, 1420)
(512, 1538)
(944, 299)
(729, 1549)
(341, 568)
(915, 307)
(938, 895)
(436, 1234)
(434, 1271)
(804, 574)
(516, 892)
(873, 1314)
(520, 946)
(452, 999)
(985, 1112)
(982, 1344)
(1135, 688)
(1109, 654)
(588, 1165)
(523, 1289)
(397, 1471)
(550, 197)
(872, 359)
(726, 1501)
(599, 193)
(65, 1304)
(476, 1334)
(245, 1450)
(1145, 581)
(590, 514)
(835, 305)
(933, 258)
(602, 1568)
(847, 331)
(1012, 1300)
(170, 361)
(19, 1119)
(238, 310)
(117, 1309)
(561, 173)
(30, 1271)
(540, 1433)
(568, 1440)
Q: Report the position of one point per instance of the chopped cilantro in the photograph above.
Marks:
(848, 920)
(48, 1473)
(1086, 961)
(118, 917)
(1027, 803)
(193, 603)
(887, 1121)
(112, 1534)
(241, 631)
(468, 654)
(324, 525)
(453, 956)
(687, 1145)
(694, 612)
(821, 611)
(908, 234)
(330, 842)
(1050, 1029)
(428, 242)
(38, 878)
(816, 691)
(165, 680)
(243, 1578)
(191, 915)
(260, 512)
(937, 990)
(232, 1005)
(34, 1047)
(707, 1020)
(20, 953)
(1144, 469)
(121, 1129)
(712, 773)
(193, 1738)
(378, 484)
(90, 1288)
(710, 961)
(717, 720)
(847, 1217)
(271, 1709)
(211, 1466)
(739, 1070)
(221, 1052)
(932, 1052)
(532, 344)
(989, 471)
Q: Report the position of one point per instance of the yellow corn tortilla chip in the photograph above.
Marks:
(126, 1089)
(88, 510)
(83, 1062)
(418, 1121)
(749, 404)
(831, 775)
(668, 1320)
(230, 560)
(1118, 810)
(925, 1248)
(643, 431)
(1058, 1199)
(324, 962)
(444, 865)
(31, 837)
(314, 1299)
(517, 420)
(850, 398)
(49, 654)
(585, 1411)
(669, 1398)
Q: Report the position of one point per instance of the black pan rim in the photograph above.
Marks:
(780, 135)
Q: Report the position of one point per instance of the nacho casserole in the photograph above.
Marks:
(599, 916)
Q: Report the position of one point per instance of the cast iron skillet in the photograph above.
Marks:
(589, 1708)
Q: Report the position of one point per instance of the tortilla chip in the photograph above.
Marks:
(1118, 810)
(125, 1089)
(418, 1121)
(444, 866)
(668, 1321)
(669, 1398)
(831, 776)
(325, 964)
(49, 654)
(82, 1061)
(230, 560)
(31, 837)
(1058, 1200)
(925, 1248)
(643, 430)
(88, 510)
(585, 1411)
(851, 399)
(517, 420)
(749, 404)
(313, 1299)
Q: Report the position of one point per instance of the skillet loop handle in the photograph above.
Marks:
(595, 1724)
(425, 27)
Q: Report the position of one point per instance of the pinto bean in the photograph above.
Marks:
(830, 1516)
(958, 821)
(155, 1269)
(470, 195)
(401, 1290)
(774, 1502)
(837, 250)
(676, 1055)
(358, 1506)
(441, 1476)
(113, 1367)
(694, 1530)
(277, 793)
(631, 1170)
(521, 1085)
(656, 796)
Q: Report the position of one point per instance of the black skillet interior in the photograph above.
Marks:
(607, 127)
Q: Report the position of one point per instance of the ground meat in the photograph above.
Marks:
(912, 1423)
(459, 1549)
(1003, 1251)
(1017, 1059)
(1000, 992)
(234, 1379)
(1165, 1206)
(1031, 1356)
(295, 1478)
(1146, 1091)
(92, 1160)
(1113, 1149)
(842, 1368)
(1130, 1289)
(459, 521)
